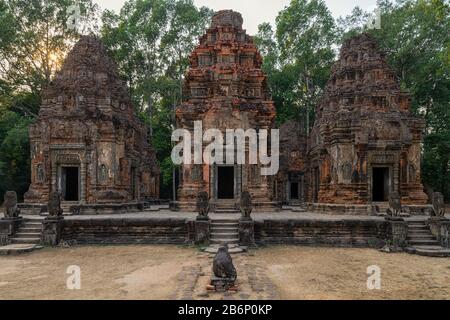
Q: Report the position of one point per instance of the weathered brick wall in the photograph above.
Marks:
(348, 233)
(129, 231)
(351, 233)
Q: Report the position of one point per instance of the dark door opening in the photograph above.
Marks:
(380, 184)
(71, 183)
(294, 191)
(225, 182)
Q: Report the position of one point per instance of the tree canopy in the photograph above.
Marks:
(152, 39)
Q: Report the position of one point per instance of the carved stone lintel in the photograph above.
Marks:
(52, 231)
(202, 232)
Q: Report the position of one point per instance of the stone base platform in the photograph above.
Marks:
(371, 209)
(232, 249)
(14, 249)
(180, 206)
(429, 251)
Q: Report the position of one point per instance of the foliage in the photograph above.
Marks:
(14, 153)
(300, 57)
(34, 39)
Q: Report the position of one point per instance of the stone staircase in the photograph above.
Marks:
(26, 239)
(423, 242)
(66, 206)
(224, 230)
(295, 206)
(29, 232)
(225, 207)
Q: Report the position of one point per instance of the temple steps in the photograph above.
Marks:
(225, 235)
(29, 233)
(16, 240)
(32, 229)
(423, 242)
(226, 210)
(14, 249)
(224, 231)
(224, 241)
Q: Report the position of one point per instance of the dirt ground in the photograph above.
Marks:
(173, 272)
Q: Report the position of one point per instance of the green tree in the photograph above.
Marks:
(304, 38)
(35, 37)
(14, 153)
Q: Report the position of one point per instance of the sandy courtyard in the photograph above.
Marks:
(173, 272)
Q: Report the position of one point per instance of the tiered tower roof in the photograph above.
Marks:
(88, 84)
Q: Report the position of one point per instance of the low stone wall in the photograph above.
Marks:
(365, 209)
(127, 231)
(5, 230)
(350, 233)
(32, 208)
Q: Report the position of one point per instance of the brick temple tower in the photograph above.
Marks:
(225, 88)
(87, 142)
(365, 142)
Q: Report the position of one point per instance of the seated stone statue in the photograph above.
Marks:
(395, 205)
(203, 205)
(10, 204)
(438, 205)
(54, 205)
(246, 205)
(223, 270)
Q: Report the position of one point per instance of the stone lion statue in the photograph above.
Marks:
(54, 204)
(395, 204)
(10, 204)
(223, 265)
(246, 205)
(438, 204)
(203, 205)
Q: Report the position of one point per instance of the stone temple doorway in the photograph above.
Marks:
(225, 182)
(294, 191)
(70, 183)
(380, 184)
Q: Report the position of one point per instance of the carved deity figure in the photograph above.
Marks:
(40, 173)
(246, 205)
(202, 205)
(223, 266)
(395, 204)
(438, 205)
(54, 205)
(10, 204)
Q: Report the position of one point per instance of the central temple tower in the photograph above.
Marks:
(225, 88)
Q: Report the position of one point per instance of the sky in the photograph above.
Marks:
(255, 12)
